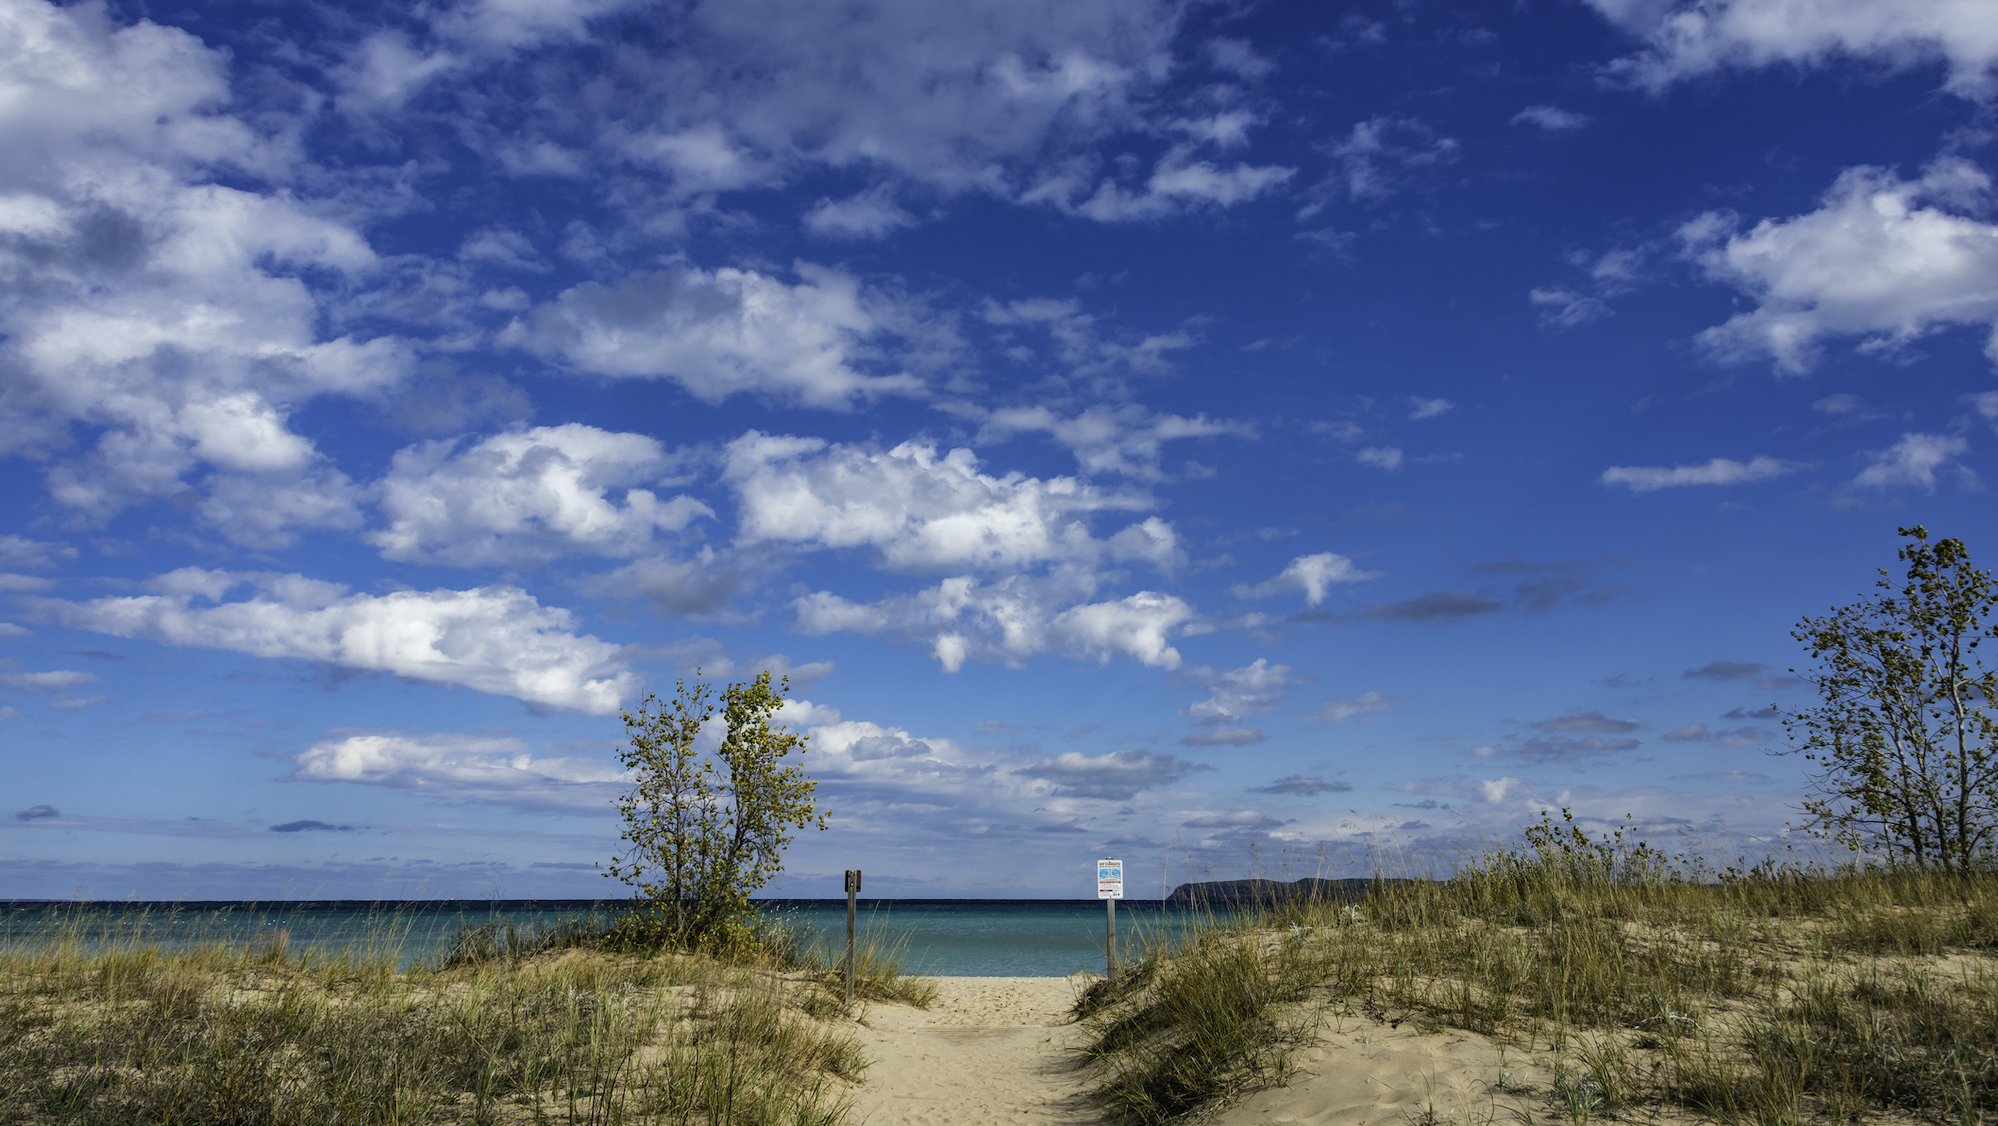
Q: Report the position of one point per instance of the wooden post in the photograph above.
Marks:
(852, 891)
(1110, 937)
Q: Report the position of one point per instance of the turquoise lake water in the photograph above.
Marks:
(946, 937)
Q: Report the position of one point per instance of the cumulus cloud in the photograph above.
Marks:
(1311, 575)
(38, 813)
(494, 639)
(1719, 471)
(1117, 776)
(1234, 695)
(1914, 461)
(165, 314)
(960, 97)
(921, 510)
(457, 768)
(725, 332)
(870, 214)
(1883, 258)
(1691, 733)
(311, 827)
(1428, 408)
(1011, 619)
(1685, 39)
(527, 497)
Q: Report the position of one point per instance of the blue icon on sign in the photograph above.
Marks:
(1109, 873)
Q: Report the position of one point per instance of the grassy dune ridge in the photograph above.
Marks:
(513, 1026)
(1768, 996)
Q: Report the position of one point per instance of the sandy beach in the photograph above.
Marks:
(992, 1050)
(999, 1050)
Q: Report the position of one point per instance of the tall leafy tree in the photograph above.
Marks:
(706, 819)
(1902, 738)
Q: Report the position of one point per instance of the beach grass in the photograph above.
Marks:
(512, 1025)
(1769, 996)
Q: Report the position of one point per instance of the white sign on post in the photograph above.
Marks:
(1109, 879)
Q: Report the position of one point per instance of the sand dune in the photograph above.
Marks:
(1000, 1050)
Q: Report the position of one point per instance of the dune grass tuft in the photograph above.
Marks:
(511, 1026)
(1767, 996)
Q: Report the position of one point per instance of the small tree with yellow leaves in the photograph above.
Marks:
(706, 821)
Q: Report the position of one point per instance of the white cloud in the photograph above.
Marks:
(954, 95)
(1914, 461)
(1228, 129)
(1121, 438)
(866, 215)
(166, 313)
(1313, 575)
(1011, 619)
(60, 680)
(1355, 708)
(1564, 308)
(1553, 119)
(1885, 259)
(1719, 471)
(1179, 183)
(1689, 39)
(1237, 694)
(11, 582)
(527, 497)
(1136, 626)
(32, 554)
(976, 96)
(502, 247)
(726, 332)
(1380, 457)
(1428, 408)
(494, 639)
(1238, 57)
(918, 509)
(1151, 541)
(455, 768)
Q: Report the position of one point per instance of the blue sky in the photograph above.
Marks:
(1176, 431)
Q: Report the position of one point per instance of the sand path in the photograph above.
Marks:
(993, 1051)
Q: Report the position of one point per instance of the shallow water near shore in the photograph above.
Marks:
(945, 937)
